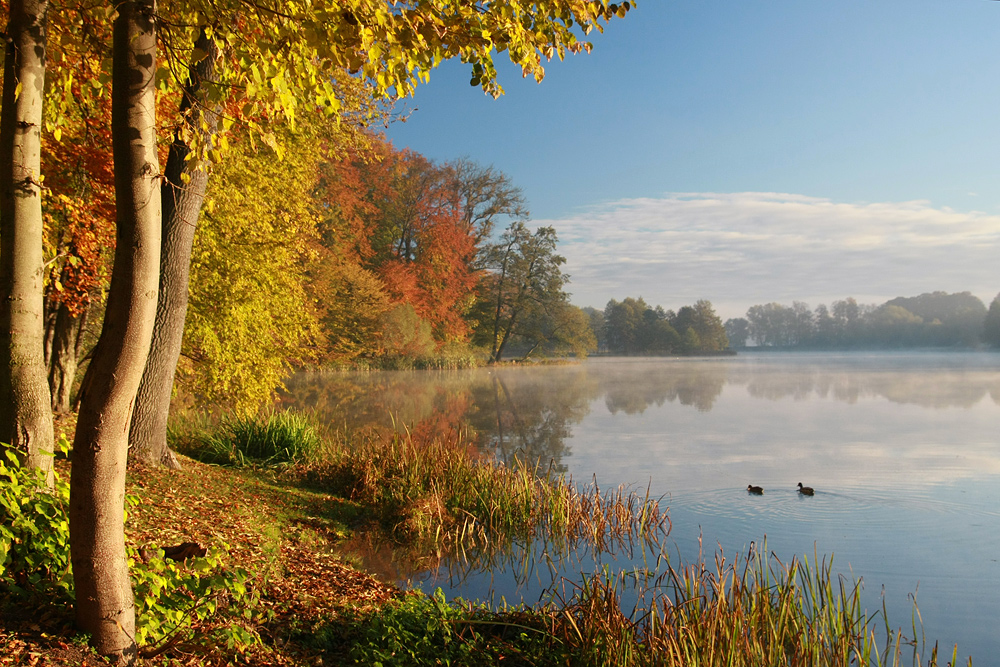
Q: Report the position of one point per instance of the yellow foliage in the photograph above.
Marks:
(353, 301)
(250, 317)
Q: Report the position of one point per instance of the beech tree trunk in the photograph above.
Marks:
(64, 356)
(104, 599)
(181, 207)
(25, 410)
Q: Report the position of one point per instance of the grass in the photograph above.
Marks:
(445, 492)
(273, 438)
(754, 612)
(282, 518)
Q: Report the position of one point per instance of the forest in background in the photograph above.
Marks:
(632, 327)
(934, 319)
(343, 252)
(321, 244)
(348, 252)
(328, 247)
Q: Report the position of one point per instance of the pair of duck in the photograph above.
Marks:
(759, 490)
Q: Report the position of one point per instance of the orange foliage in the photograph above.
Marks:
(446, 422)
(79, 205)
(401, 216)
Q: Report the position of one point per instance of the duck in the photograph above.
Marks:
(756, 490)
(806, 490)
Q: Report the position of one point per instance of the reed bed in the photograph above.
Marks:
(447, 492)
(750, 612)
(434, 489)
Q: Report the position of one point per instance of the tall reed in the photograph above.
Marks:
(749, 612)
(445, 491)
(753, 611)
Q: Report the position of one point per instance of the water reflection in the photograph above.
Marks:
(902, 450)
(531, 411)
(960, 389)
(507, 412)
(631, 390)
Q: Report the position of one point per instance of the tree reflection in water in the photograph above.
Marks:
(528, 413)
(507, 412)
(633, 389)
(531, 413)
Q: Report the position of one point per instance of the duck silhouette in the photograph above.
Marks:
(805, 490)
(756, 490)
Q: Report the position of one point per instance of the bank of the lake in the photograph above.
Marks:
(282, 526)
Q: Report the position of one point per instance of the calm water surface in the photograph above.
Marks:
(902, 448)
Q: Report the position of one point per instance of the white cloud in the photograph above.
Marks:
(739, 249)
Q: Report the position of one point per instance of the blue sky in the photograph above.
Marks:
(748, 151)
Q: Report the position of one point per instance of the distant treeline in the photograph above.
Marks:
(631, 327)
(936, 319)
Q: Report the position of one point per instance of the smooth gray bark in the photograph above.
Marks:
(25, 411)
(104, 600)
(64, 356)
(181, 207)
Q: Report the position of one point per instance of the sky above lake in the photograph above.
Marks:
(750, 151)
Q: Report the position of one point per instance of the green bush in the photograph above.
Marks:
(198, 602)
(175, 603)
(272, 439)
(421, 630)
(34, 531)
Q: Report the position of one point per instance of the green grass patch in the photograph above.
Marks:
(274, 438)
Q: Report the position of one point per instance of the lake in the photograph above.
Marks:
(903, 450)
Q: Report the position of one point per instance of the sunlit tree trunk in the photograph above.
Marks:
(25, 412)
(104, 600)
(181, 208)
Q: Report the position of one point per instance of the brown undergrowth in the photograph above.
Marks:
(281, 535)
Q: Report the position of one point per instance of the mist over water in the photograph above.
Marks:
(902, 448)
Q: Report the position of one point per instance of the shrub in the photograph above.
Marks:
(34, 531)
(191, 603)
(175, 603)
(272, 439)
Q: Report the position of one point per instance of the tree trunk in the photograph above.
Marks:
(181, 208)
(104, 600)
(25, 411)
(67, 333)
(503, 340)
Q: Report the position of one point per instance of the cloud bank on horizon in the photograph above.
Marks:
(746, 248)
